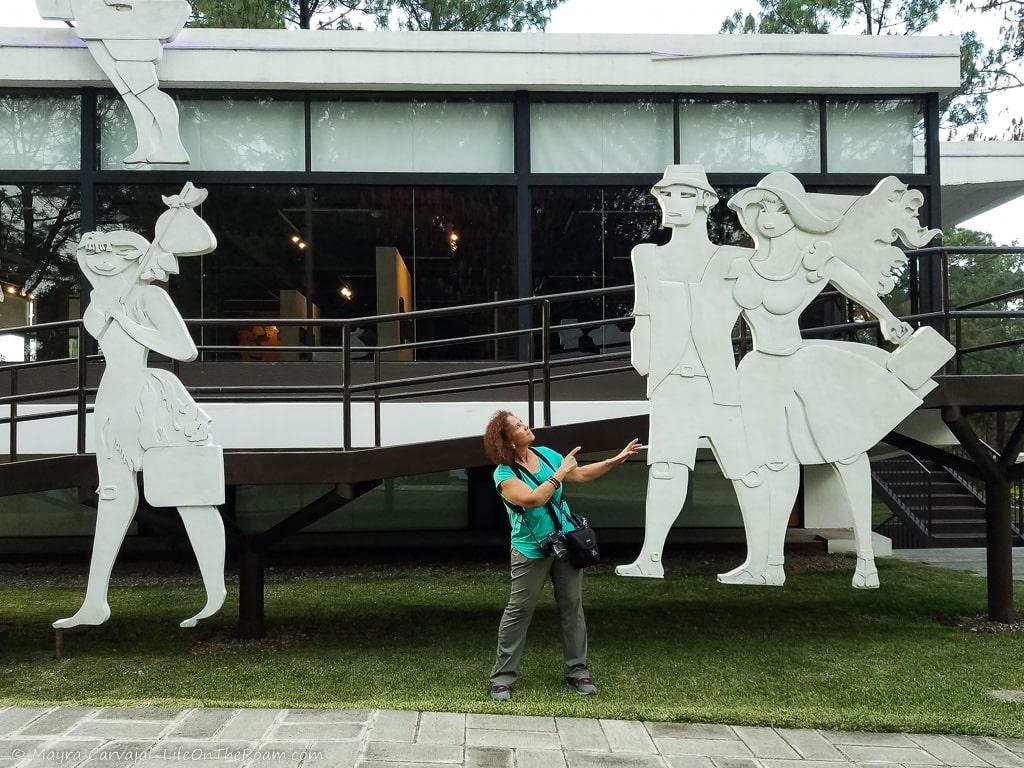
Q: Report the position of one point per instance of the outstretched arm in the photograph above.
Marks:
(853, 286)
(640, 335)
(598, 468)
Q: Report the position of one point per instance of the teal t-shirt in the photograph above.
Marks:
(532, 527)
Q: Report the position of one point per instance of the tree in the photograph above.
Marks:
(426, 15)
(882, 17)
(1001, 66)
(974, 277)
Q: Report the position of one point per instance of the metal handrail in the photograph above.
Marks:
(533, 372)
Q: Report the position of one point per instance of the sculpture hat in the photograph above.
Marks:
(685, 176)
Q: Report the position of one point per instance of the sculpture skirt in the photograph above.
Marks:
(827, 402)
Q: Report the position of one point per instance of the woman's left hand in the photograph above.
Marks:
(631, 449)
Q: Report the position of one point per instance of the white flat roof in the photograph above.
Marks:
(507, 61)
(978, 176)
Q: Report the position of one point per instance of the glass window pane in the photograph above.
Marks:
(752, 137)
(420, 136)
(631, 137)
(875, 136)
(40, 133)
(221, 134)
(39, 232)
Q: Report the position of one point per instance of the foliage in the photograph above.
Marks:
(976, 277)
(423, 15)
(967, 106)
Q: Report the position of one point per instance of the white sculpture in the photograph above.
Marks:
(144, 418)
(790, 401)
(126, 39)
(824, 402)
(682, 341)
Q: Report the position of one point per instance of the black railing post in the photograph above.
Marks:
(346, 395)
(83, 362)
(14, 416)
(958, 358)
(376, 398)
(545, 346)
(999, 550)
(531, 394)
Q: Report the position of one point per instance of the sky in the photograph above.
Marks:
(1006, 223)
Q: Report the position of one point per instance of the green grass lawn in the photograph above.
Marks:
(814, 653)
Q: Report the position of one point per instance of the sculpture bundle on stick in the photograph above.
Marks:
(791, 401)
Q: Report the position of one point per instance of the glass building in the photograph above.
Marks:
(473, 166)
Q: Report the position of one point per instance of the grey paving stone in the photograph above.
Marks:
(316, 732)
(276, 754)
(180, 754)
(612, 760)
(769, 763)
(489, 757)
(903, 755)
(539, 758)
(511, 723)
(486, 737)
(703, 747)
(628, 736)
(947, 750)
(328, 715)
(441, 728)
(61, 752)
(581, 734)
(56, 722)
(810, 744)
(201, 724)
(138, 713)
(18, 748)
(401, 752)
(863, 739)
(688, 761)
(990, 751)
(377, 764)
(690, 730)
(765, 742)
(14, 718)
(331, 754)
(389, 725)
(118, 754)
(1014, 745)
(118, 729)
(736, 762)
(250, 724)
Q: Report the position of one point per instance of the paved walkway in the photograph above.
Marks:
(282, 738)
(970, 559)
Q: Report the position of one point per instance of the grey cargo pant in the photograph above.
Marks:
(528, 577)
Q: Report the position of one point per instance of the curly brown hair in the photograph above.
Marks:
(497, 443)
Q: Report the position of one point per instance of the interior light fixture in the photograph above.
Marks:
(296, 238)
(346, 292)
(11, 290)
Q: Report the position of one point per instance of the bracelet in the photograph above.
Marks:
(554, 482)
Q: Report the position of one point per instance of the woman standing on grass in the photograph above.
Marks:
(508, 442)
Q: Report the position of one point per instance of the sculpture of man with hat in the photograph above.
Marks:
(682, 341)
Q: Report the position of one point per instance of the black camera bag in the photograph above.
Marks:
(582, 541)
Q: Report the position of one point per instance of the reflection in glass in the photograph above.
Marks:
(40, 133)
(423, 136)
(594, 137)
(754, 137)
(221, 133)
(39, 230)
(875, 136)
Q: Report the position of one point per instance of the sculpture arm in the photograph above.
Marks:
(167, 335)
(854, 287)
(640, 335)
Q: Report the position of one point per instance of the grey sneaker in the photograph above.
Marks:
(584, 686)
(501, 692)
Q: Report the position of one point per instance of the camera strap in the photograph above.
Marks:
(520, 470)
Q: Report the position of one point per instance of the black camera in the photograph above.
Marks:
(554, 543)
